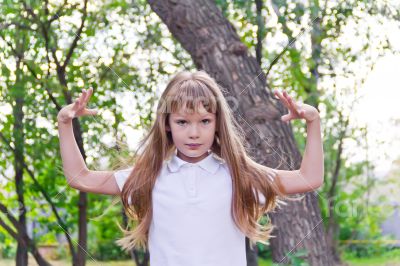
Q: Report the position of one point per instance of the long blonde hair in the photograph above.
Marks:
(187, 89)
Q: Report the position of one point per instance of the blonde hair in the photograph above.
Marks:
(191, 90)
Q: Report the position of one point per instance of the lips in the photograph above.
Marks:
(193, 144)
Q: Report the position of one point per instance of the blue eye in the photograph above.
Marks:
(206, 121)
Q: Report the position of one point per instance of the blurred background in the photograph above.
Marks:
(340, 56)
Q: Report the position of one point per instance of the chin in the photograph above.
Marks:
(193, 154)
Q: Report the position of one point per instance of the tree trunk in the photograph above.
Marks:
(332, 228)
(19, 57)
(139, 257)
(215, 47)
(18, 139)
(80, 258)
(21, 236)
(82, 205)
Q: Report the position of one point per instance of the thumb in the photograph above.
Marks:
(91, 111)
(286, 118)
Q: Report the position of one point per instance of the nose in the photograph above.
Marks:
(193, 131)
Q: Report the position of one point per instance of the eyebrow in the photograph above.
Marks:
(202, 116)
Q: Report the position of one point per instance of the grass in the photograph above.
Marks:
(67, 263)
(374, 262)
(391, 258)
(264, 262)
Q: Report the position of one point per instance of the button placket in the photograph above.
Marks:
(192, 182)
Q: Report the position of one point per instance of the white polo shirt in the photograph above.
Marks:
(192, 223)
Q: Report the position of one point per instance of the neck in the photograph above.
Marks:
(191, 159)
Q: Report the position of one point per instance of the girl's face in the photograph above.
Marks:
(192, 133)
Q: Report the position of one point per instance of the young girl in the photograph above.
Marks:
(192, 189)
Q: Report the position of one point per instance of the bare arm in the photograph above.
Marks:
(310, 176)
(74, 167)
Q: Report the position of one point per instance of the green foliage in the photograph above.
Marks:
(103, 230)
(113, 55)
(298, 258)
(317, 55)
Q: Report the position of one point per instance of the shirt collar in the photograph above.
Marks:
(210, 163)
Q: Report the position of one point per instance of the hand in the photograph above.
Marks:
(297, 110)
(77, 109)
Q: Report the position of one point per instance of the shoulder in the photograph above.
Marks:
(122, 175)
(123, 172)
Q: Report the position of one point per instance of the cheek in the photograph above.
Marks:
(176, 132)
(211, 132)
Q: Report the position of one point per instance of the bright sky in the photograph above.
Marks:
(378, 106)
(378, 109)
(375, 109)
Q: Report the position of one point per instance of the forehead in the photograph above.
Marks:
(185, 112)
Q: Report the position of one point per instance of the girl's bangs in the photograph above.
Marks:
(190, 96)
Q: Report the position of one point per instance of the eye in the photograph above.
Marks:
(206, 121)
(180, 122)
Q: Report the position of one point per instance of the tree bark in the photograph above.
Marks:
(260, 30)
(332, 228)
(80, 258)
(19, 57)
(215, 47)
(21, 236)
(18, 139)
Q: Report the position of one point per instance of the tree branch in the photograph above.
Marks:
(21, 236)
(260, 30)
(16, 24)
(77, 37)
(45, 195)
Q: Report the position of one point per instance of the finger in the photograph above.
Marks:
(276, 94)
(88, 94)
(71, 114)
(76, 104)
(83, 97)
(91, 112)
(286, 118)
(283, 99)
(293, 105)
(288, 99)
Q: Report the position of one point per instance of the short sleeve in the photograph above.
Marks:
(260, 197)
(121, 176)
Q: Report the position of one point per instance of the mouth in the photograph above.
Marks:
(193, 145)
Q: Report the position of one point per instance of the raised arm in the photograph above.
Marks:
(310, 176)
(74, 167)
